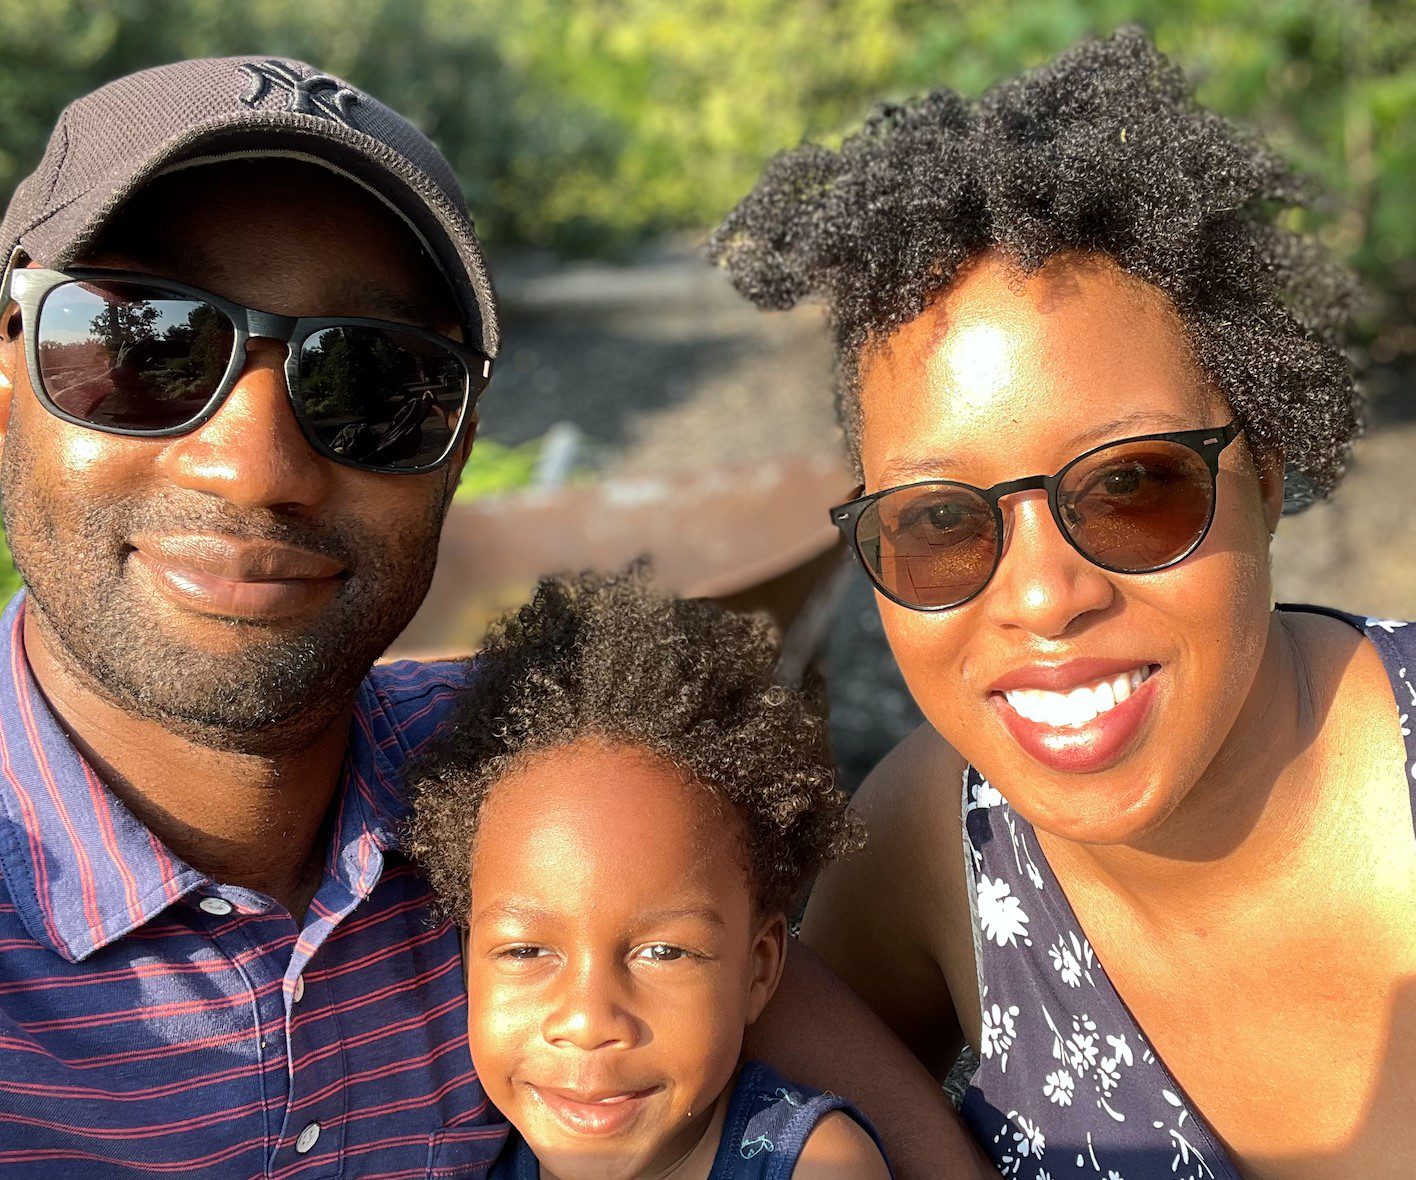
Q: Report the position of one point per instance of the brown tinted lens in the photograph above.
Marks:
(1138, 505)
(932, 545)
(131, 357)
(378, 397)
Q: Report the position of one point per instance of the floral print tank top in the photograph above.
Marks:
(1068, 1087)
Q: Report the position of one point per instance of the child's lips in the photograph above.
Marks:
(593, 1112)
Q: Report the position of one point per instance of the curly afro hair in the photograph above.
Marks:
(609, 657)
(1102, 150)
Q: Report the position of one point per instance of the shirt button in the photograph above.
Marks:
(215, 905)
(307, 1138)
(298, 993)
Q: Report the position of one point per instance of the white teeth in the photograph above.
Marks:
(1071, 710)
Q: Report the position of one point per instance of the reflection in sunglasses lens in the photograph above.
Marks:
(381, 397)
(1138, 505)
(931, 545)
(129, 357)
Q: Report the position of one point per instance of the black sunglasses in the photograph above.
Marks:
(1132, 506)
(135, 355)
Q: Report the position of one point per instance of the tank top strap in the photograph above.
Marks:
(768, 1122)
(1067, 1083)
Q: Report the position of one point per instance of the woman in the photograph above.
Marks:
(1153, 855)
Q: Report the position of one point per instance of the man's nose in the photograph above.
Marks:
(589, 1011)
(1043, 585)
(251, 452)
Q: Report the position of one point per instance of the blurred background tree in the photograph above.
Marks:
(586, 126)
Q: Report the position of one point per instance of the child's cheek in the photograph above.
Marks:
(502, 1026)
(704, 1032)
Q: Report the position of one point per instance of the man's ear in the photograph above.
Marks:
(12, 362)
(459, 461)
(769, 956)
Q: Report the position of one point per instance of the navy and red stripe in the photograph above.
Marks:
(141, 1034)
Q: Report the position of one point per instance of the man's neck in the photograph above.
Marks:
(253, 820)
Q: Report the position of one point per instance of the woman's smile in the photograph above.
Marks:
(1087, 728)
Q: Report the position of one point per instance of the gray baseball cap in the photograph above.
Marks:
(110, 143)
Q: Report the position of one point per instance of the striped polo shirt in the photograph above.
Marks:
(156, 1022)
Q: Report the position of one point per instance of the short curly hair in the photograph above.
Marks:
(609, 657)
(1102, 150)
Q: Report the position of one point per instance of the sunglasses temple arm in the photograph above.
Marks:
(16, 260)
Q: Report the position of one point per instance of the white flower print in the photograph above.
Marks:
(983, 794)
(1000, 913)
(1028, 1138)
(1121, 1051)
(1081, 1051)
(1059, 1087)
(1108, 1070)
(1387, 625)
(1064, 962)
(1043, 1174)
(1000, 1028)
(1107, 1075)
(1113, 1174)
(1072, 959)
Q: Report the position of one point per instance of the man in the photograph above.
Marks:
(242, 331)
(215, 961)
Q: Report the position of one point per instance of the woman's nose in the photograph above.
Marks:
(1042, 584)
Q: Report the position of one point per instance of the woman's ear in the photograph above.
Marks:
(1270, 463)
(769, 956)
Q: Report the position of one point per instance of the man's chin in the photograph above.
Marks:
(252, 686)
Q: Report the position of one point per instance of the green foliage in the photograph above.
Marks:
(495, 468)
(9, 578)
(586, 125)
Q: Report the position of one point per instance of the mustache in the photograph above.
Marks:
(341, 541)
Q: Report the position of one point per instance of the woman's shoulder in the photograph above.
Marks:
(1364, 656)
(921, 778)
(839, 1148)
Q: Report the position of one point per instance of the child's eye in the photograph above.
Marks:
(522, 954)
(661, 952)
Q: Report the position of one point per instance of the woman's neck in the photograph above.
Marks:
(1256, 809)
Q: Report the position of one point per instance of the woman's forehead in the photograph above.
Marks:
(1036, 359)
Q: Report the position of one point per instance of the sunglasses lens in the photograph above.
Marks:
(129, 357)
(1139, 505)
(377, 397)
(931, 546)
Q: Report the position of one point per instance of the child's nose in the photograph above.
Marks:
(591, 1013)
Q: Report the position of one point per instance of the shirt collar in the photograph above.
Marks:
(84, 871)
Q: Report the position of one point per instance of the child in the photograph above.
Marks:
(621, 813)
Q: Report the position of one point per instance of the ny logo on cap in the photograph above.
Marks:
(318, 94)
